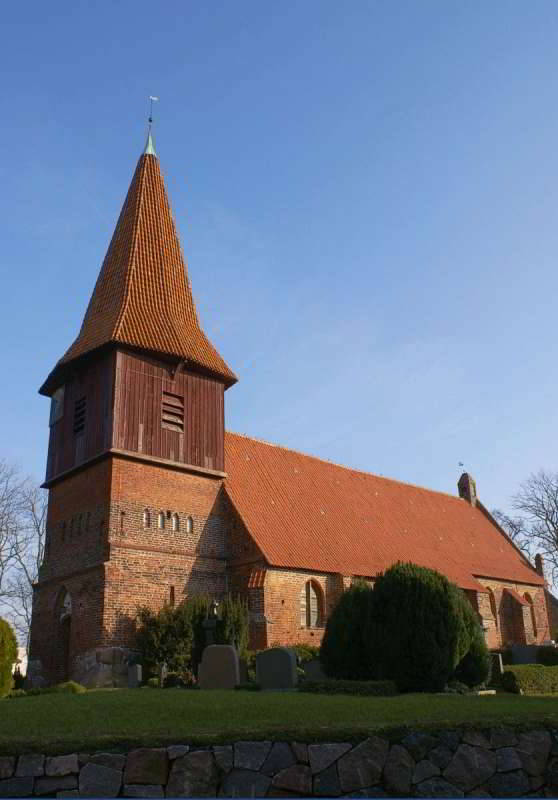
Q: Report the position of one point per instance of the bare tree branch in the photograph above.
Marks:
(537, 501)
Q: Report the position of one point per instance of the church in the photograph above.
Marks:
(151, 499)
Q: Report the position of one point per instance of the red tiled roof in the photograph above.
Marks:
(305, 513)
(142, 296)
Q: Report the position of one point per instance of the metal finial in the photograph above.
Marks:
(149, 146)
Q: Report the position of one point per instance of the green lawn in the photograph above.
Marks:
(123, 718)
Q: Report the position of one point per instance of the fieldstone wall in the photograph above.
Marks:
(498, 762)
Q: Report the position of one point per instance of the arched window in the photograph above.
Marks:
(311, 605)
(189, 525)
(493, 606)
(146, 518)
(175, 522)
(529, 599)
(161, 520)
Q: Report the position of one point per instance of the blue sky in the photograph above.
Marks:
(367, 198)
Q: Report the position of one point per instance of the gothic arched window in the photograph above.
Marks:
(529, 599)
(175, 522)
(161, 520)
(146, 518)
(189, 525)
(311, 605)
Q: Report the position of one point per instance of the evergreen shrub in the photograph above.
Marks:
(346, 651)
(474, 667)
(8, 655)
(420, 630)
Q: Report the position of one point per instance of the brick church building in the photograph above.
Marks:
(151, 500)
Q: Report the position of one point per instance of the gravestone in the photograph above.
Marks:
(163, 672)
(313, 670)
(497, 666)
(219, 667)
(134, 676)
(276, 668)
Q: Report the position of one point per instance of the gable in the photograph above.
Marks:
(305, 513)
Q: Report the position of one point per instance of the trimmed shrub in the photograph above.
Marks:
(164, 637)
(373, 688)
(346, 648)
(70, 687)
(530, 679)
(153, 683)
(17, 693)
(419, 628)
(8, 654)
(233, 624)
(19, 679)
(474, 668)
(547, 656)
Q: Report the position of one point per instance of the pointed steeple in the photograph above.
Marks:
(143, 297)
(149, 146)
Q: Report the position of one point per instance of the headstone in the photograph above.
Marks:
(276, 668)
(313, 670)
(219, 667)
(163, 672)
(134, 676)
(497, 666)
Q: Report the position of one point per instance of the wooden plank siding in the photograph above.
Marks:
(139, 385)
(123, 394)
(66, 449)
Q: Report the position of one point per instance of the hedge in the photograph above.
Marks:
(375, 688)
(530, 679)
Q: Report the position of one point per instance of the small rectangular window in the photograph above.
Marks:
(172, 412)
(80, 408)
(56, 406)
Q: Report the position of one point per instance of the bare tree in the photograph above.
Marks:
(23, 508)
(10, 495)
(517, 530)
(537, 500)
(28, 543)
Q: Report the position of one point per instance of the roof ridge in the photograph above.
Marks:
(131, 265)
(344, 466)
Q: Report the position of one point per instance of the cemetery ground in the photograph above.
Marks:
(126, 718)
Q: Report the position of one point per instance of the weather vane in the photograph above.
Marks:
(152, 100)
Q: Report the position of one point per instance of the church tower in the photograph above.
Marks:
(135, 468)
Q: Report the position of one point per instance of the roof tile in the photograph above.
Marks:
(306, 513)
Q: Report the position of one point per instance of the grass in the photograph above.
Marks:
(120, 719)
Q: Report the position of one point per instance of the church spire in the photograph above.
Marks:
(149, 146)
(143, 297)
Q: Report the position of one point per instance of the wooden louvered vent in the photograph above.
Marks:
(172, 412)
(80, 407)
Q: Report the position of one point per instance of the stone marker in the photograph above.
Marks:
(219, 667)
(134, 676)
(276, 668)
(497, 665)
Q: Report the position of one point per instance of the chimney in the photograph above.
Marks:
(539, 564)
(467, 488)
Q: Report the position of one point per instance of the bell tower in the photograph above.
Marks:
(136, 452)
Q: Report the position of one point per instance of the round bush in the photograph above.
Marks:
(420, 631)
(474, 667)
(345, 652)
(8, 655)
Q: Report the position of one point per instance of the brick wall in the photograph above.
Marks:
(513, 621)
(145, 561)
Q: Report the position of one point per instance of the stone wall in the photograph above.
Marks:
(498, 762)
